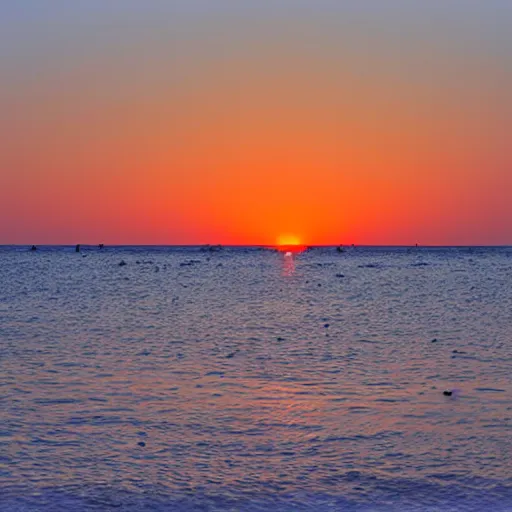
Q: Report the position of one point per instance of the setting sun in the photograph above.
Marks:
(289, 243)
(287, 240)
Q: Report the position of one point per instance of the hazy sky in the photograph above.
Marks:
(195, 121)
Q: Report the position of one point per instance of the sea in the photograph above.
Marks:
(248, 379)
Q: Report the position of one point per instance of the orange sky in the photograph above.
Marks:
(237, 128)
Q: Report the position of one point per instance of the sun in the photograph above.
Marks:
(290, 243)
(288, 240)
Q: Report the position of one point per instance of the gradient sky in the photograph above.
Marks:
(236, 122)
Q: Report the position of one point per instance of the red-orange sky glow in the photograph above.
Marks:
(326, 126)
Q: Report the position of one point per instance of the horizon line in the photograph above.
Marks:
(105, 245)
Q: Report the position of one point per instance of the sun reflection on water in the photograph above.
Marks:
(288, 264)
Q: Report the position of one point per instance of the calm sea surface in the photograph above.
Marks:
(252, 380)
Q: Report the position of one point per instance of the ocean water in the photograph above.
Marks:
(252, 380)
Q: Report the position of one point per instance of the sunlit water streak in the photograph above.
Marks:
(246, 379)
